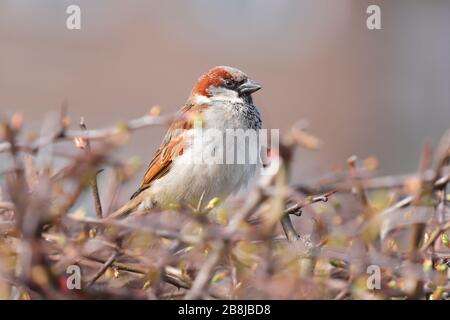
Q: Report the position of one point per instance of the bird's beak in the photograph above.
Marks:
(249, 87)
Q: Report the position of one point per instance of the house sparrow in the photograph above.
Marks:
(222, 99)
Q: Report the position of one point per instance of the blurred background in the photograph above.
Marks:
(381, 92)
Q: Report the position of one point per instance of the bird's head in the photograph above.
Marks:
(225, 83)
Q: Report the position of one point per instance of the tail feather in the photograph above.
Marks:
(126, 209)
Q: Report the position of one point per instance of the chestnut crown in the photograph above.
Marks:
(225, 78)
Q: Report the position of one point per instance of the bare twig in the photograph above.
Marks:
(296, 208)
(160, 232)
(103, 269)
(288, 228)
(343, 183)
(352, 163)
(94, 183)
(205, 273)
(434, 235)
(171, 275)
(96, 134)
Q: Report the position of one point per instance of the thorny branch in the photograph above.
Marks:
(84, 142)
(223, 253)
(103, 269)
(97, 134)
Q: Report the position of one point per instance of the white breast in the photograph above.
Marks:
(189, 178)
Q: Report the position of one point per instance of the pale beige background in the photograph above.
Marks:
(364, 92)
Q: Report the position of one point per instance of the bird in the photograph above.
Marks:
(220, 100)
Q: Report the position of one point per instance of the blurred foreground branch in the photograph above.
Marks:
(321, 249)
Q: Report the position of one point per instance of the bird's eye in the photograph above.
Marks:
(228, 83)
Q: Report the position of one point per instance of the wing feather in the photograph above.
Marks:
(172, 146)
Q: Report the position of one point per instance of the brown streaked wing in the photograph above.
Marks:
(172, 146)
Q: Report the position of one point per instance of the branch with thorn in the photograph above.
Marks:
(84, 142)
